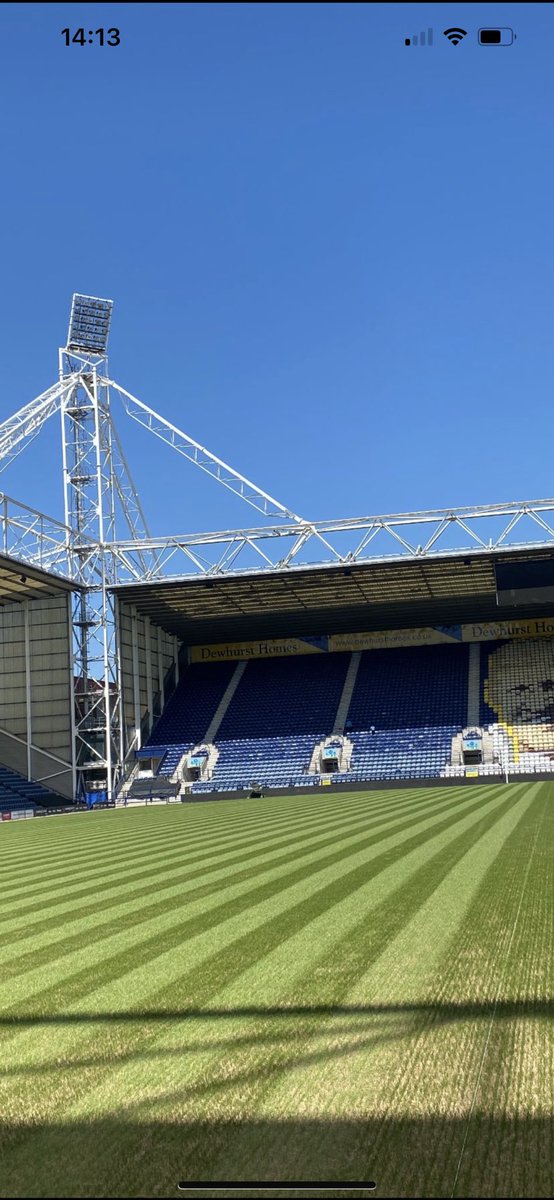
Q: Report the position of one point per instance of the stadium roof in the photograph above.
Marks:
(20, 581)
(330, 599)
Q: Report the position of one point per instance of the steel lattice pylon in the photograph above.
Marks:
(89, 496)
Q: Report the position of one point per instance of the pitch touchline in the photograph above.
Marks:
(493, 1014)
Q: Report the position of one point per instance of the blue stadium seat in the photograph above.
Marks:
(406, 706)
(17, 793)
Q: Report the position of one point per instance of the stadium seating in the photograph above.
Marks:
(284, 697)
(405, 709)
(187, 716)
(16, 792)
(269, 762)
(152, 789)
(280, 709)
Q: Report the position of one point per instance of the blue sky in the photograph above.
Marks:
(331, 255)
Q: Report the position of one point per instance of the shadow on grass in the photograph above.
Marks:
(440, 1010)
(281, 1047)
(437, 1155)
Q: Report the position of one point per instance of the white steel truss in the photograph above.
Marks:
(30, 536)
(440, 533)
(18, 431)
(201, 457)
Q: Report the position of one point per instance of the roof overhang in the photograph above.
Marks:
(20, 581)
(335, 598)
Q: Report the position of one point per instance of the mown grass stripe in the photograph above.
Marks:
(182, 882)
(147, 844)
(130, 821)
(224, 1065)
(441, 1063)
(250, 815)
(132, 1081)
(482, 966)
(268, 1066)
(398, 973)
(509, 934)
(172, 994)
(155, 865)
(82, 839)
(158, 936)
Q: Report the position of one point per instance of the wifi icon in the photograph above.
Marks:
(455, 35)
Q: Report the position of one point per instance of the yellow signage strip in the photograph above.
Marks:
(483, 631)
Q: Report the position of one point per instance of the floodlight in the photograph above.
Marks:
(89, 324)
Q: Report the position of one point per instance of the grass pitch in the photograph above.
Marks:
(344, 987)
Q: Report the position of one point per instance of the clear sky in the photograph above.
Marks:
(331, 255)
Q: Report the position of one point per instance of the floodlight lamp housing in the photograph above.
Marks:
(89, 324)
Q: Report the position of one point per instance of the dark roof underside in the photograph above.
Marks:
(333, 599)
(20, 581)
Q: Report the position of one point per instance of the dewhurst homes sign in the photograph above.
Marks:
(484, 631)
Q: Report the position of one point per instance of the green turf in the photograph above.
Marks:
(326, 987)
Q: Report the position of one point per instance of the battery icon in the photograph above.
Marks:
(496, 37)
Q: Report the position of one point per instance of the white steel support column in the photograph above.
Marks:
(72, 696)
(136, 677)
(28, 691)
(108, 671)
(96, 484)
(88, 501)
(148, 654)
(119, 730)
(176, 659)
(160, 670)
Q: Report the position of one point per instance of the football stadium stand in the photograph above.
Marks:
(404, 710)
(410, 713)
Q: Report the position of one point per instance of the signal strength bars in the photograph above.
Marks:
(423, 39)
